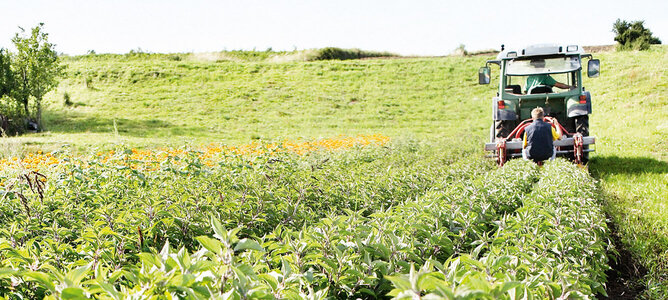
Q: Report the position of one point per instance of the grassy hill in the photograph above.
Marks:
(145, 100)
(155, 100)
(631, 120)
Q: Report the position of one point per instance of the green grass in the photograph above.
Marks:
(157, 101)
(631, 120)
(147, 100)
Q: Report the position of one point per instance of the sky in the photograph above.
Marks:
(402, 27)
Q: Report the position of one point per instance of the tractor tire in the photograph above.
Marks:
(503, 128)
(582, 127)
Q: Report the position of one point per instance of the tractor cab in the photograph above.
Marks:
(547, 76)
(539, 75)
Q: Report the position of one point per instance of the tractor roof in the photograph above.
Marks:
(541, 50)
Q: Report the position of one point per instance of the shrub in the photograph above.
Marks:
(66, 99)
(633, 35)
(11, 116)
(344, 54)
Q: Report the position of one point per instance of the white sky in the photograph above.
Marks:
(404, 27)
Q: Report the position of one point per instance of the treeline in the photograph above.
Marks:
(25, 77)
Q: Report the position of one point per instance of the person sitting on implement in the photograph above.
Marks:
(542, 79)
(538, 137)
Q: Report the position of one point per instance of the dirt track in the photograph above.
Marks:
(600, 48)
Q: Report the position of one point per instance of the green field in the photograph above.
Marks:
(157, 101)
(631, 121)
(454, 231)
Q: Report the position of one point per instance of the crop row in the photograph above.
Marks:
(256, 194)
(337, 225)
(553, 247)
(106, 211)
(347, 254)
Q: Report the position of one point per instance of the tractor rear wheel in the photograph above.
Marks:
(582, 127)
(503, 128)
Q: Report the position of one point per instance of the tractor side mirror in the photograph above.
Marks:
(484, 75)
(593, 68)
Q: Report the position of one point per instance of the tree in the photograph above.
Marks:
(35, 68)
(633, 35)
(6, 75)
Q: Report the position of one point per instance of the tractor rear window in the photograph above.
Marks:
(518, 84)
(542, 65)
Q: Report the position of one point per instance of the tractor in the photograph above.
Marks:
(547, 76)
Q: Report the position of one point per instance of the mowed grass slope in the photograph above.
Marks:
(149, 100)
(631, 120)
(157, 101)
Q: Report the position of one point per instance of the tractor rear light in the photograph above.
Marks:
(583, 99)
(501, 104)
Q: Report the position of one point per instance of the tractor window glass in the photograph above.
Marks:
(518, 84)
(543, 65)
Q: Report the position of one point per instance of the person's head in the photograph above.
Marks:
(537, 63)
(537, 113)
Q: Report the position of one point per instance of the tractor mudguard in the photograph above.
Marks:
(508, 112)
(575, 108)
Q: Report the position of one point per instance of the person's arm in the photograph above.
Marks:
(557, 134)
(552, 82)
(524, 144)
(562, 86)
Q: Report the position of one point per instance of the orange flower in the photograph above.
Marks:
(209, 155)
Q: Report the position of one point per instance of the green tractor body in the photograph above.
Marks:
(547, 76)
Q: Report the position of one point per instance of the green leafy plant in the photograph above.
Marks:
(93, 228)
(553, 246)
